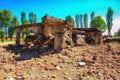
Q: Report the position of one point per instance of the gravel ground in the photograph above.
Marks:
(88, 62)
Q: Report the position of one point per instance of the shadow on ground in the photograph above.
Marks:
(24, 53)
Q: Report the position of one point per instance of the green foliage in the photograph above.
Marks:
(85, 20)
(92, 15)
(6, 41)
(1, 15)
(28, 34)
(109, 19)
(32, 18)
(11, 31)
(23, 17)
(12, 27)
(99, 23)
(77, 21)
(70, 19)
(81, 21)
(2, 33)
(35, 18)
(5, 17)
(26, 22)
(5, 20)
(15, 21)
(117, 34)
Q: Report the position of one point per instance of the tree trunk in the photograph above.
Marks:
(18, 38)
(11, 39)
(2, 40)
(6, 33)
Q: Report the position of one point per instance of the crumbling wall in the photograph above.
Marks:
(92, 35)
(63, 40)
(57, 34)
(59, 30)
(31, 28)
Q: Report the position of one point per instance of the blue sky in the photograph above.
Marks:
(60, 8)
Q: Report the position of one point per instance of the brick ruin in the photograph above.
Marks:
(56, 34)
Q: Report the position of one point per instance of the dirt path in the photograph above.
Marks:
(6, 43)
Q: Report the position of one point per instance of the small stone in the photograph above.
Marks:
(9, 78)
(50, 68)
(20, 77)
(82, 64)
(53, 77)
(89, 72)
(67, 78)
(80, 78)
(57, 67)
(29, 79)
(94, 58)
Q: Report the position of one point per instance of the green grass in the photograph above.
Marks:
(13, 40)
(8, 40)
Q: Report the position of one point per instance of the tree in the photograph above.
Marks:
(85, 20)
(117, 34)
(77, 21)
(23, 20)
(32, 18)
(12, 27)
(25, 23)
(92, 15)
(81, 21)
(1, 15)
(70, 19)
(109, 19)
(11, 32)
(35, 18)
(5, 20)
(2, 33)
(23, 17)
(99, 23)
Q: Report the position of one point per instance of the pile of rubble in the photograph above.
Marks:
(87, 62)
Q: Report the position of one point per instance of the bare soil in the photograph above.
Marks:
(101, 62)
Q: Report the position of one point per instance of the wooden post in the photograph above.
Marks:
(17, 38)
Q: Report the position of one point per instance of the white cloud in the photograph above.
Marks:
(116, 25)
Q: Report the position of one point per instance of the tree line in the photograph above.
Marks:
(81, 21)
(8, 23)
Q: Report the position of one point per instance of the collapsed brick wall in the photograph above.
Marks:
(57, 34)
(63, 40)
(92, 35)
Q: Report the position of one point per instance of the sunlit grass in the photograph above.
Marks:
(8, 40)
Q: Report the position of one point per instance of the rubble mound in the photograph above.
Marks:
(87, 62)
